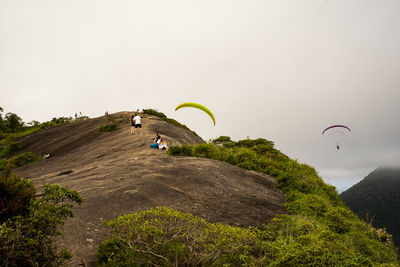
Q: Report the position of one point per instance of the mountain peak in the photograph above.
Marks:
(117, 173)
(377, 195)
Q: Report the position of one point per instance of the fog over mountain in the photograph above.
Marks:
(378, 195)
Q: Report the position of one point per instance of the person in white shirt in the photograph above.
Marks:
(162, 144)
(133, 125)
(138, 123)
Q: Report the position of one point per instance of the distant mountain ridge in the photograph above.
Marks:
(378, 194)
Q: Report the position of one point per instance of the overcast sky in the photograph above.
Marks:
(280, 70)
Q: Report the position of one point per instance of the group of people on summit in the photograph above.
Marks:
(158, 142)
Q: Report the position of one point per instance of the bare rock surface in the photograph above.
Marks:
(117, 173)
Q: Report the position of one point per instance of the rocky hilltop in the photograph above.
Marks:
(117, 173)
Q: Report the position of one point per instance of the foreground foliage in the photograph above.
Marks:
(29, 224)
(318, 231)
(165, 237)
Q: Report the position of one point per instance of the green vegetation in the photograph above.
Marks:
(163, 117)
(222, 139)
(20, 160)
(10, 148)
(112, 126)
(108, 127)
(165, 237)
(10, 123)
(55, 122)
(12, 129)
(376, 200)
(29, 224)
(16, 193)
(81, 118)
(319, 230)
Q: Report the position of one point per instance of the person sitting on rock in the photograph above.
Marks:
(163, 144)
(157, 138)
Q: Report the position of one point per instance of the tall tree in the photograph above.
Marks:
(13, 122)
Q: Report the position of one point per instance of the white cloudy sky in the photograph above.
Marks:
(281, 70)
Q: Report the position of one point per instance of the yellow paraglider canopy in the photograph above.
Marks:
(195, 105)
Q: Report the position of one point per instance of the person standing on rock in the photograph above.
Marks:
(133, 125)
(138, 123)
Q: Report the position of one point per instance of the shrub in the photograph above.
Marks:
(15, 195)
(12, 122)
(33, 123)
(108, 127)
(298, 240)
(165, 237)
(307, 204)
(205, 151)
(184, 150)
(154, 113)
(3, 164)
(176, 123)
(55, 122)
(81, 118)
(27, 239)
(10, 149)
(61, 120)
(338, 219)
(222, 139)
(25, 158)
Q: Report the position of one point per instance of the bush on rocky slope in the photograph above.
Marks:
(29, 224)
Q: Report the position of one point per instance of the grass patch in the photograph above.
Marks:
(20, 160)
(108, 127)
(8, 138)
(10, 148)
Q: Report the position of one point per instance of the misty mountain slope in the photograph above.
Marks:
(117, 173)
(378, 195)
